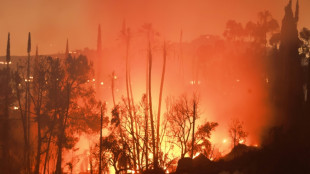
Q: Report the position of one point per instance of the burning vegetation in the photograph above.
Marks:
(232, 104)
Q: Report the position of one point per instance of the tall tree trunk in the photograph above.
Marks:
(59, 155)
(47, 152)
(128, 98)
(100, 143)
(23, 115)
(136, 124)
(38, 158)
(194, 120)
(50, 137)
(5, 131)
(63, 122)
(155, 161)
(28, 105)
(146, 115)
(27, 153)
(38, 90)
(160, 99)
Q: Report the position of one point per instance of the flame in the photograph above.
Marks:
(197, 154)
(131, 171)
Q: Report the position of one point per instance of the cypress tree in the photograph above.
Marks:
(291, 79)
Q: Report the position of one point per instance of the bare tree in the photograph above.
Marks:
(180, 118)
(182, 115)
(160, 98)
(236, 132)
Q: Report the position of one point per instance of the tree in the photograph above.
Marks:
(160, 98)
(257, 32)
(290, 86)
(116, 147)
(27, 107)
(126, 35)
(234, 31)
(73, 89)
(54, 103)
(182, 115)
(202, 143)
(6, 101)
(179, 115)
(39, 90)
(236, 132)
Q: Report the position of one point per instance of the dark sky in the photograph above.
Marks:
(52, 21)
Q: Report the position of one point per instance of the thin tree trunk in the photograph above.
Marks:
(136, 125)
(28, 115)
(128, 99)
(59, 155)
(5, 130)
(155, 161)
(37, 167)
(62, 133)
(194, 120)
(22, 115)
(37, 105)
(50, 138)
(47, 152)
(100, 143)
(146, 115)
(160, 99)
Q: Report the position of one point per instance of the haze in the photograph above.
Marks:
(51, 22)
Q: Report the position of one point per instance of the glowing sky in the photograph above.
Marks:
(52, 21)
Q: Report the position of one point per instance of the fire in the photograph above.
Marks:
(197, 154)
(131, 171)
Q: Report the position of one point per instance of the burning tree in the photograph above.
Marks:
(236, 132)
(76, 113)
(202, 142)
(182, 115)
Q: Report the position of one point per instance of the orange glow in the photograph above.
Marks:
(131, 171)
(229, 84)
(197, 154)
(78, 19)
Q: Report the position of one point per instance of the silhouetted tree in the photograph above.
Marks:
(6, 101)
(181, 115)
(202, 142)
(39, 98)
(160, 98)
(77, 72)
(117, 151)
(236, 132)
(290, 67)
(234, 31)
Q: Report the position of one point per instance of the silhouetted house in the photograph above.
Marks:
(239, 151)
(201, 162)
(185, 166)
